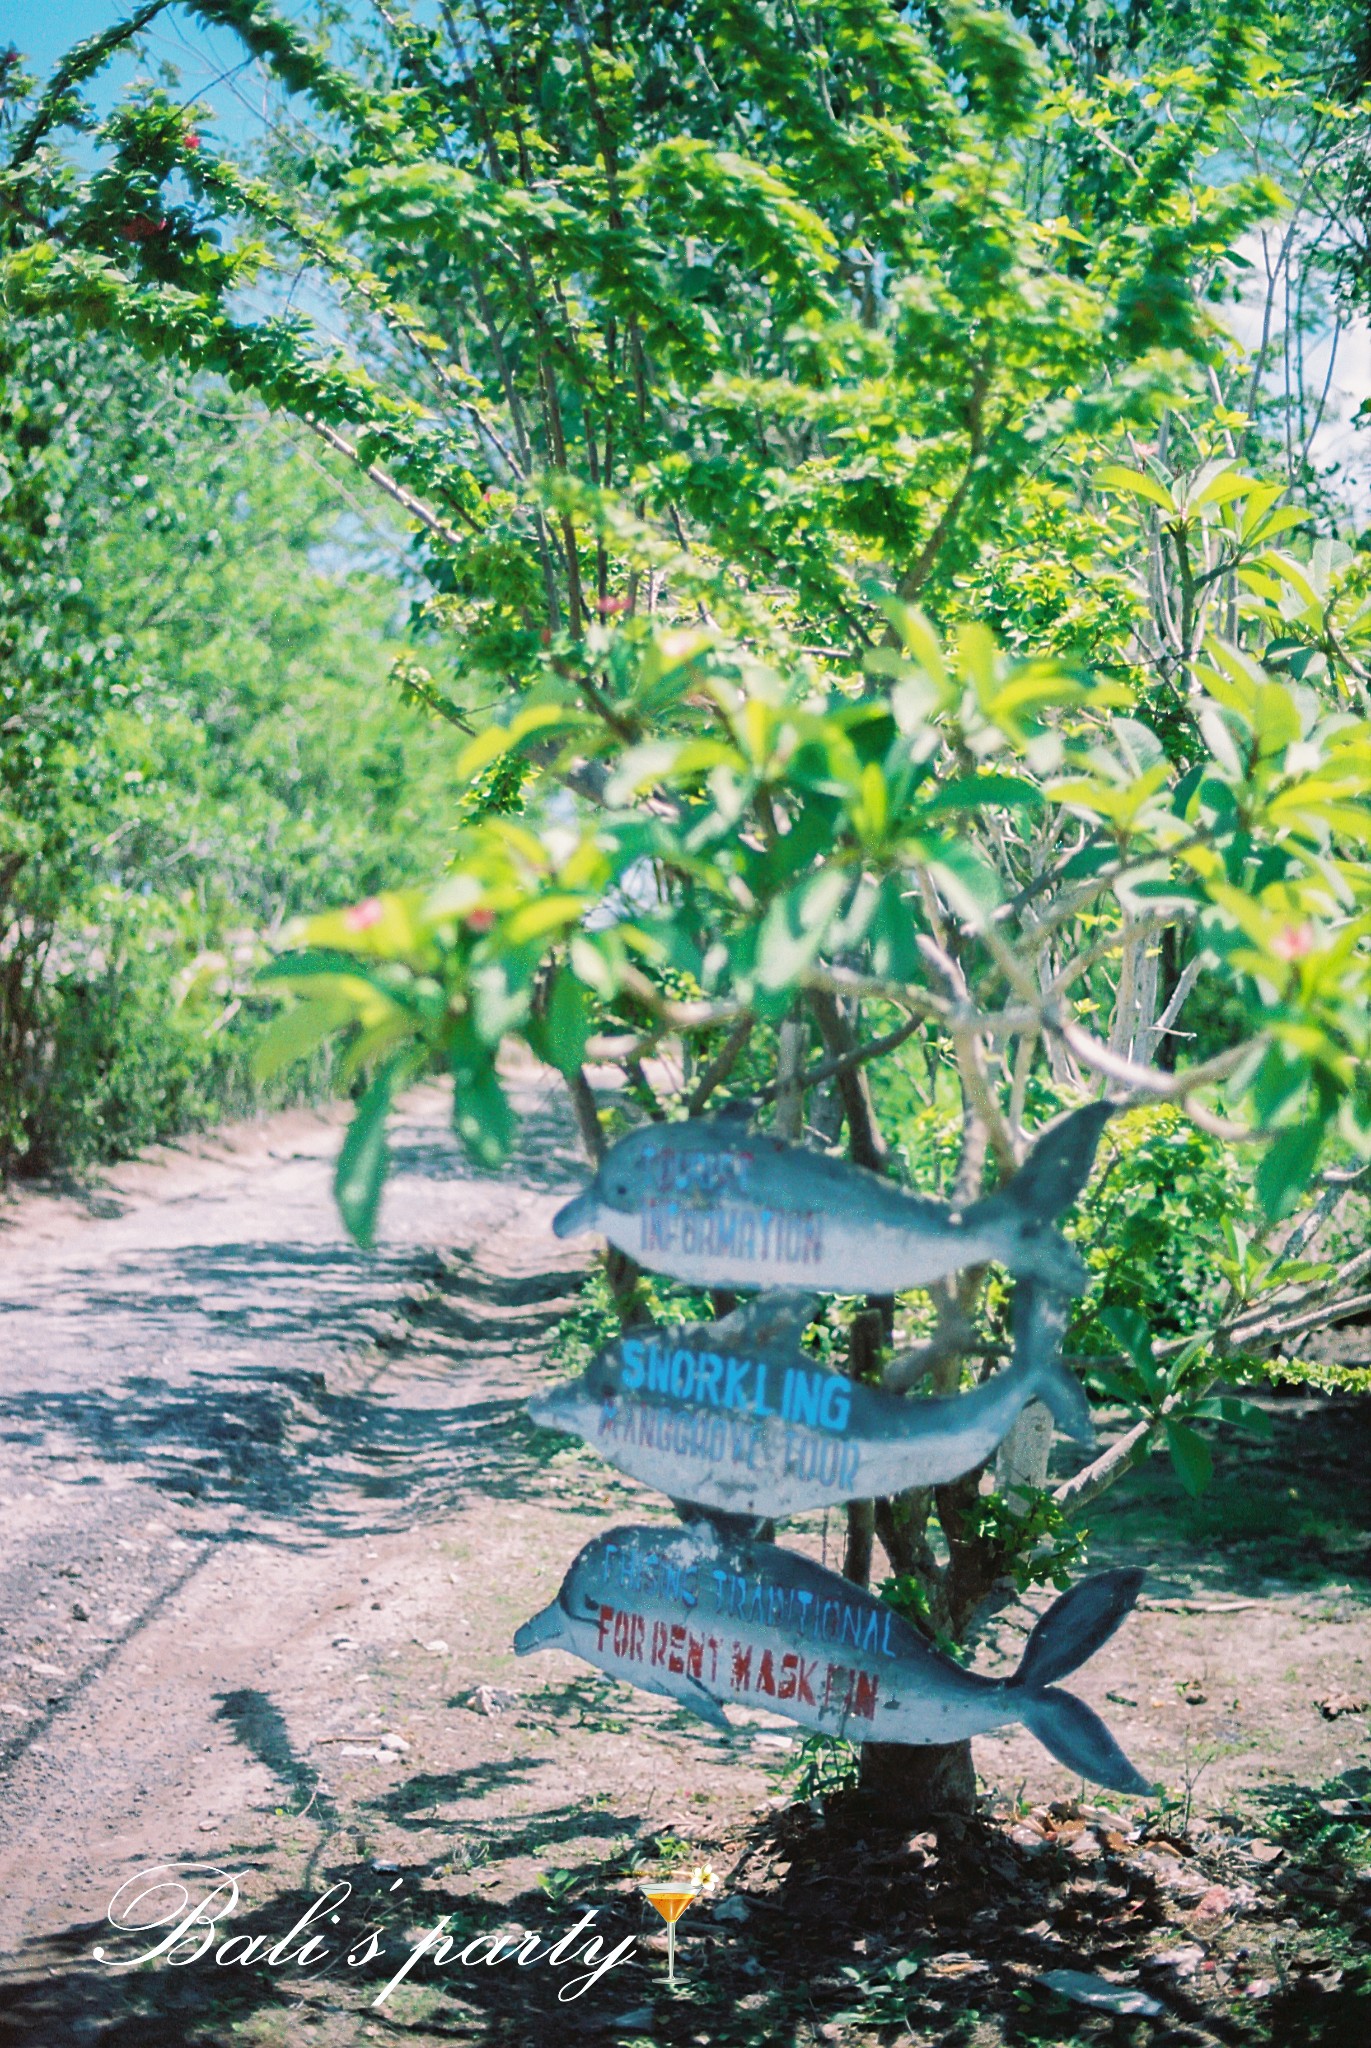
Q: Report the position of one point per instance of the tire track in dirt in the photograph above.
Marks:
(201, 1425)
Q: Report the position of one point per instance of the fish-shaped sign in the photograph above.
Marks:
(735, 1417)
(711, 1202)
(704, 1617)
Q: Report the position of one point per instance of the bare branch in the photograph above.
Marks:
(1102, 1473)
(1189, 975)
(873, 1049)
(403, 497)
(721, 1066)
(979, 1093)
(867, 1146)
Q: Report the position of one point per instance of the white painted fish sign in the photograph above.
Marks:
(735, 1417)
(710, 1202)
(705, 1618)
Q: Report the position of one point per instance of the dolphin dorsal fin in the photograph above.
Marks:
(781, 1315)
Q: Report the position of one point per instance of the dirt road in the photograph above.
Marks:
(270, 1509)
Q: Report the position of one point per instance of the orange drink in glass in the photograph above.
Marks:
(670, 1899)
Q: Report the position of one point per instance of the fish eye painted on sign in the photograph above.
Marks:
(708, 1202)
(703, 1618)
(705, 1413)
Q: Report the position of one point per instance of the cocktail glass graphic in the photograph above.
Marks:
(670, 1897)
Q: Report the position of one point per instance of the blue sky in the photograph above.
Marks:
(45, 29)
(211, 62)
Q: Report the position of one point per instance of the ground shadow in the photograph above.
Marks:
(261, 1728)
(834, 1925)
(1291, 1506)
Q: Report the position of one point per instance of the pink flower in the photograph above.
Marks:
(191, 139)
(480, 920)
(363, 915)
(1292, 942)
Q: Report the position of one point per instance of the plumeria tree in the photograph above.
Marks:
(910, 689)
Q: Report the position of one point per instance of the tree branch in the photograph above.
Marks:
(721, 1066)
(76, 65)
(874, 1049)
(403, 497)
(868, 1147)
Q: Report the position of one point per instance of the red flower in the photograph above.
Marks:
(363, 915)
(143, 227)
(607, 606)
(191, 138)
(480, 920)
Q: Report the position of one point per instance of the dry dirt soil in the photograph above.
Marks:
(270, 1512)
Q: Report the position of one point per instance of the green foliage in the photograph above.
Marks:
(594, 1320)
(197, 739)
(819, 1766)
(1033, 1540)
(1152, 1227)
(871, 575)
(909, 1594)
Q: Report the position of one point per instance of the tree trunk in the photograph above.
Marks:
(870, 1332)
(1021, 1463)
(906, 1783)
(915, 1784)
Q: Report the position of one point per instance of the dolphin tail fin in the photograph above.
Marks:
(1072, 1629)
(1076, 1625)
(1044, 1187)
(703, 1704)
(1078, 1738)
(545, 1410)
(780, 1316)
(731, 1527)
(1040, 1318)
(1059, 1165)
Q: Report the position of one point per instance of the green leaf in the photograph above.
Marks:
(983, 792)
(481, 1115)
(796, 925)
(351, 978)
(534, 721)
(361, 1168)
(1115, 476)
(1130, 1330)
(919, 638)
(893, 933)
(500, 996)
(1231, 1408)
(559, 1036)
(967, 881)
(294, 1033)
(1229, 483)
(1190, 1456)
(1287, 1168)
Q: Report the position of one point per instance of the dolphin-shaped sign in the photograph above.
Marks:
(705, 1617)
(727, 1417)
(709, 1202)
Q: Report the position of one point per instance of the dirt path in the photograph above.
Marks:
(207, 1464)
(269, 1511)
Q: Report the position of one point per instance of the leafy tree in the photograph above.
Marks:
(191, 750)
(914, 694)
